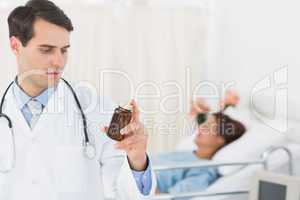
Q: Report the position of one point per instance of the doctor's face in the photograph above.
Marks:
(42, 60)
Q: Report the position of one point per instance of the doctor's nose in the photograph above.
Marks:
(58, 60)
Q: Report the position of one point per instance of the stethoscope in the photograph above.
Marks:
(89, 149)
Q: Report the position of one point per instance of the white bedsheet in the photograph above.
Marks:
(241, 180)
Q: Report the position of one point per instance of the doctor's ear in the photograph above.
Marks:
(15, 44)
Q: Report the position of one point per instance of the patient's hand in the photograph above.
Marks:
(198, 106)
(231, 98)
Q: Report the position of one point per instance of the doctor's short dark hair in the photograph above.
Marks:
(230, 129)
(21, 19)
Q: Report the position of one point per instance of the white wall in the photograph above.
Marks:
(253, 38)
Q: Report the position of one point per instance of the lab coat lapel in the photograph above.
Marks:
(53, 111)
(14, 113)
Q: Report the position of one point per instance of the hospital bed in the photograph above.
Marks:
(263, 162)
(263, 147)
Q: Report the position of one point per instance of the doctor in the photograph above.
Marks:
(46, 156)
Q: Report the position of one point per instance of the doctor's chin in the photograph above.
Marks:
(149, 100)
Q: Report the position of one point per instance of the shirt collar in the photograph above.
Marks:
(22, 98)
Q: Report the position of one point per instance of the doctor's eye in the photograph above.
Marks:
(45, 51)
(63, 51)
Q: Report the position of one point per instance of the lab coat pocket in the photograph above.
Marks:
(70, 169)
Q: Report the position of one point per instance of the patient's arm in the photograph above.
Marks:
(191, 184)
(176, 179)
(188, 180)
(195, 183)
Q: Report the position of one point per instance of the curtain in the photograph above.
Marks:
(145, 50)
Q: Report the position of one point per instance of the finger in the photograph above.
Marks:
(130, 146)
(198, 108)
(126, 149)
(130, 128)
(135, 111)
(222, 102)
(199, 100)
(104, 129)
(126, 143)
(200, 103)
(192, 110)
(132, 143)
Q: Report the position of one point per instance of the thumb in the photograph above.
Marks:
(104, 129)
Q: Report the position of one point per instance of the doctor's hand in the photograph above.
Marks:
(135, 141)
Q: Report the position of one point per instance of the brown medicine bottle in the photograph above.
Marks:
(120, 119)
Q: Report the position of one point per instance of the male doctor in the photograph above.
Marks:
(50, 161)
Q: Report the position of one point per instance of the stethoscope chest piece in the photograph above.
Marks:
(89, 151)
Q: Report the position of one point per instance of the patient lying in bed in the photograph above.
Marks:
(217, 131)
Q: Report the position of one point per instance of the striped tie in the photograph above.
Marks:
(36, 109)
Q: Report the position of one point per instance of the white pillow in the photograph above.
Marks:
(250, 146)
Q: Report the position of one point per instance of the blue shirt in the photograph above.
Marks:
(176, 181)
(143, 178)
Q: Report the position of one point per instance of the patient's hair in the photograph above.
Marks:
(22, 18)
(229, 128)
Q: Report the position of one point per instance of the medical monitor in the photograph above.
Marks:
(271, 186)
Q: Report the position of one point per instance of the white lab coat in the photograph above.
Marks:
(50, 163)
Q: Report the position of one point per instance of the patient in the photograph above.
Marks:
(217, 131)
